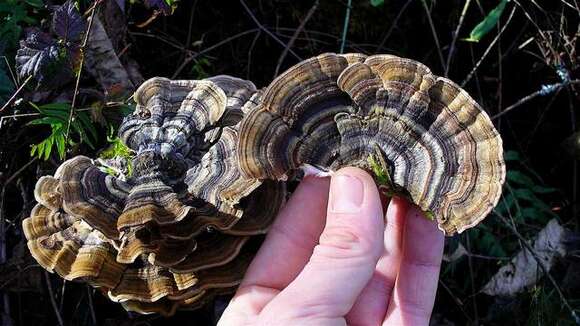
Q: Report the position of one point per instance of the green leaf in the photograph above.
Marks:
(45, 121)
(526, 194)
(531, 213)
(512, 156)
(56, 106)
(48, 147)
(506, 204)
(520, 178)
(35, 3)
(87, 124)
(57, 116)
(489, 22)
(117, 148)
(376, 3)
(60, 145)
(544, 190)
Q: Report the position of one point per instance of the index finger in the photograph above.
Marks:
(286, 250)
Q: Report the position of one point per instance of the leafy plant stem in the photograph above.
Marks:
(77, 82)
(16, 93)
(345, 26)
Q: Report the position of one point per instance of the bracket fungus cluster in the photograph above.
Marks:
(211, 162)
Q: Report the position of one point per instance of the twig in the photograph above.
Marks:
(540, 92)
(204, 51)
(159, 38)
(16, 93)
(575, 164)
(457, 301)
(149, 20)
(252, 45)
(190, 26)
(345, 26)
(82, 60)
(524, 242)
(470, 75)
(393, 25)
(62, 290)
(52, 299)
(12, 75)
(91, 305)
(434, 32)
(257, 22)
(470, 266)
(295, 35)
(455, 36)
(499, 77)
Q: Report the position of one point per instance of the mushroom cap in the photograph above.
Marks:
(330, 111)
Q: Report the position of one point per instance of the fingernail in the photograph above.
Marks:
(346, 194)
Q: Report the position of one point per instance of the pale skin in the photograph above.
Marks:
(333, 258)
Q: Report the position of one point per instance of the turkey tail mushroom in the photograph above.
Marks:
(212, 157)
(330, 111)
(177, 230)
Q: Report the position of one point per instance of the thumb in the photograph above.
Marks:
(343, 261)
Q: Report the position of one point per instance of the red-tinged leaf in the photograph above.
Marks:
(44, 59)
(68, 23)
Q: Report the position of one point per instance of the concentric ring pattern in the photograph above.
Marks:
(211, 161)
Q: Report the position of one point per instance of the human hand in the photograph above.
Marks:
(341, 265)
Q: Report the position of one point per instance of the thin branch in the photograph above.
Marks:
(434, 32)
(540, 92)
(162, 39)
(345, 25)
(393, 25)
(455, 36)
(91, 305)
(206, 50)
(503, 28)
(472, 278)
(295, 35)
(456, 300)
(257, 22)
(12, 75)
(250, 50)
(16, 93)
(52, 299)
(81, 63)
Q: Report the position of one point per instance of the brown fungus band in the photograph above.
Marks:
(330, 111)
(211, 157)
(180, 228)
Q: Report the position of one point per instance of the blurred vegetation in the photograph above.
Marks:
(519, 60)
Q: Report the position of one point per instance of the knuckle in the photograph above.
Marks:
(340, 242)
